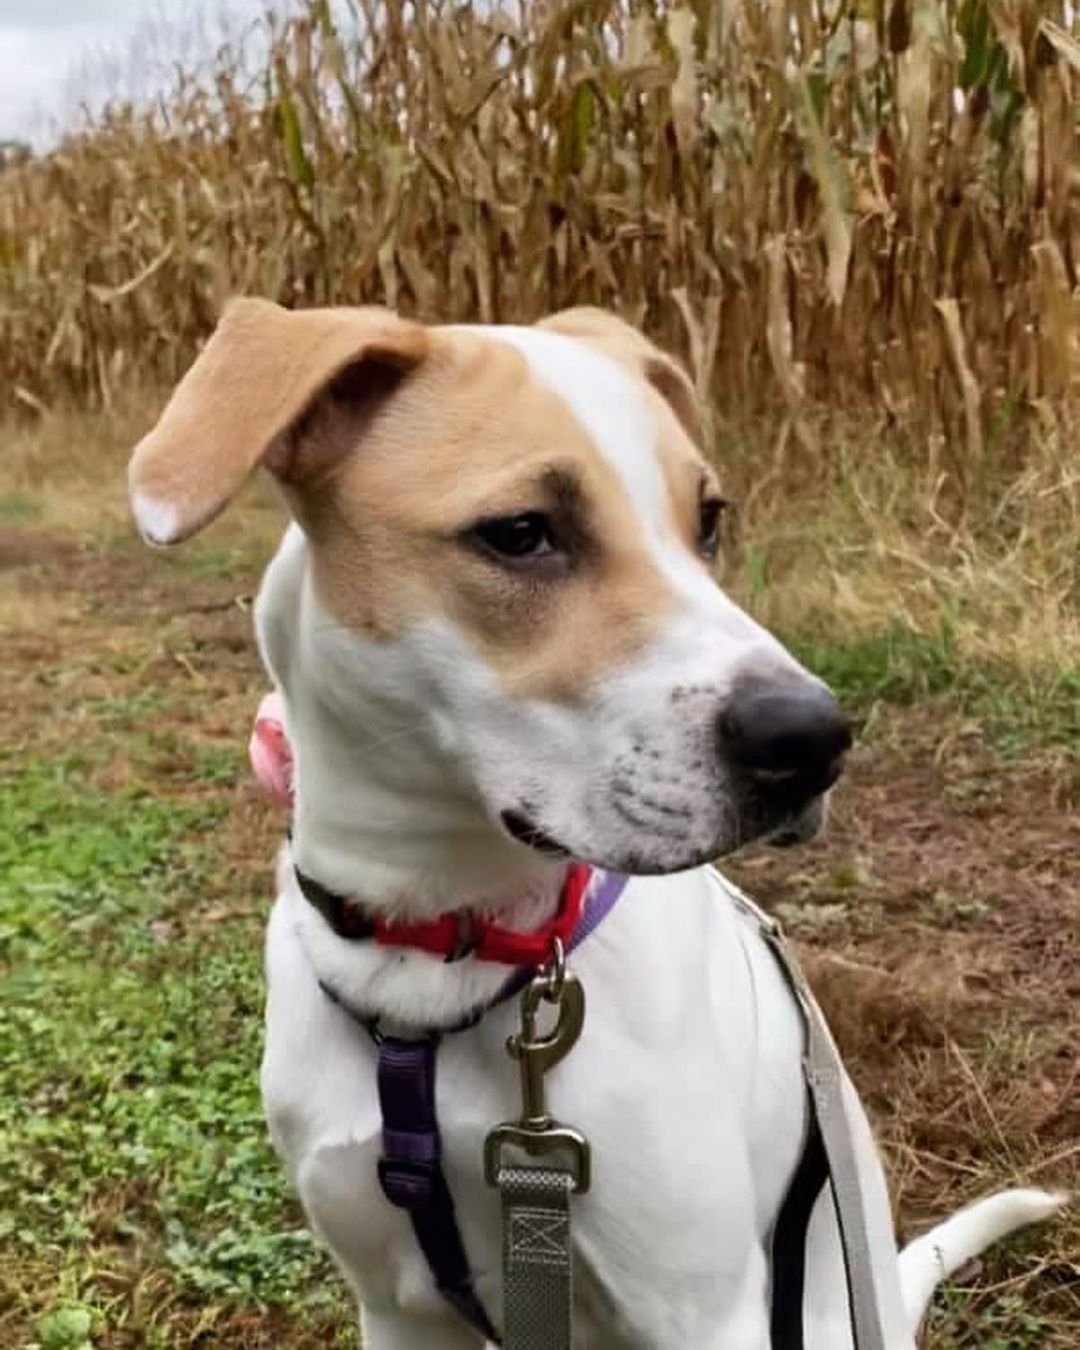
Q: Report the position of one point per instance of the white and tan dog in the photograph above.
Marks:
(499, 642)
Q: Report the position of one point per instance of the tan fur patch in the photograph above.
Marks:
(392, 440)
(261, 368)
(473, 435)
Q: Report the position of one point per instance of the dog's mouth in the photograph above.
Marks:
(797, 827)
(801, 821)
(522, 829)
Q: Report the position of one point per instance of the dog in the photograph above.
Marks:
(500, 646)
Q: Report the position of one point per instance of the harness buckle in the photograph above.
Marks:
(406, 1182)
(537, 1133)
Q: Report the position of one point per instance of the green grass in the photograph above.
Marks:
(1017, 711)
(1002, 1323)
(17, 508)
(131, 1136)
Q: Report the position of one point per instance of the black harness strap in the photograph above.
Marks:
(789, 1242)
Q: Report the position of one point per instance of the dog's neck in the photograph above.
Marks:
(384, 821)
(382, 815)
(382, 812)
(391, 832)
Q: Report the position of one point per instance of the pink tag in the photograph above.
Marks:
(270, 752)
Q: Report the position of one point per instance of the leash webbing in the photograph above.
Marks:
(537, 1258)
(823, 1076)
(789, 1243)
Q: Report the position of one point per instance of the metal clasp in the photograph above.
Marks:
(538, 1133)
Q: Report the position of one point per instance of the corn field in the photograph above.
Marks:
(870, 205)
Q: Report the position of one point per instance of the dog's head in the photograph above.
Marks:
(511, 535)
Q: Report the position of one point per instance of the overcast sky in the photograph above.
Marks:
(53, 51)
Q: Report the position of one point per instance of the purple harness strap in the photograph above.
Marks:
(410, 1169)
(411, 1174)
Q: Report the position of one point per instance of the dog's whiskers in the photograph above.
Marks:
(396, 737)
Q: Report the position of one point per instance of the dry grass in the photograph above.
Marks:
(823, 206)
(68, 470)
(872, 541)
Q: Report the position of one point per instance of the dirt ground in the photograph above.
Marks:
(939, 916)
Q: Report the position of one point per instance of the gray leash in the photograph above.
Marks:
(537, 1252)
(824, 1074)
(537, 1263)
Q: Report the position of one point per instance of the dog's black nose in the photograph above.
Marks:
(790, 734)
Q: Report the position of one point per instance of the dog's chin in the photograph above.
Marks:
(642, 858)
(658, 857)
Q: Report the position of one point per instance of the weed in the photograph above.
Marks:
(898, 665)
(966, 1320)
(18, 507)
(949, 910)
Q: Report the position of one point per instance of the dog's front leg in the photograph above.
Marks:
(415, 1331)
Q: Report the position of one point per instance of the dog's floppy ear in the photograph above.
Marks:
(626, 344)
(263, 368)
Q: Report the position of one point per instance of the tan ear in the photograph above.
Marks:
(261, 370)
(629, 346)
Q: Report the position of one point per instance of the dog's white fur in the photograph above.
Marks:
(687, 1079)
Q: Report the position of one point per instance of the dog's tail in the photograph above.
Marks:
(934, 1256)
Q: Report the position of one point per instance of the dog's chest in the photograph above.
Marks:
(675, 1198)
(689, 1115)
(330, 1129)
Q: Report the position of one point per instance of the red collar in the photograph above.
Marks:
(459, 934)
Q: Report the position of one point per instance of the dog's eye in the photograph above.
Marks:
(528, 535)
(712, 512)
